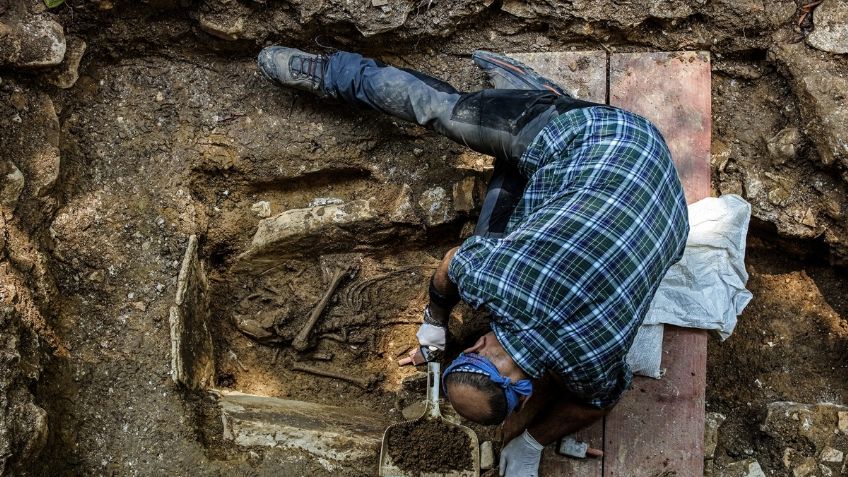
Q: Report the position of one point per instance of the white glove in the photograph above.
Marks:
(432, 335)
(521, 457)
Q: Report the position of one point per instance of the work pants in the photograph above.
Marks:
(497, 122)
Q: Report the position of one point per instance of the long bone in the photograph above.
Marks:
(361, 382)
(342, 269)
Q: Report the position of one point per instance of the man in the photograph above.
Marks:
(583, 217)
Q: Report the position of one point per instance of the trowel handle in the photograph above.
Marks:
(433, 376)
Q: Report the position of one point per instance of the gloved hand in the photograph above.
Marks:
(521, 457)
(432, 335)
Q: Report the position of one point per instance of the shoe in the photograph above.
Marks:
(293, 68)
(507, 73)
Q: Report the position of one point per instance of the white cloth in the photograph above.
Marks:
(706, 288)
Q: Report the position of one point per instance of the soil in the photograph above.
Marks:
(790, 344)
(429, 446)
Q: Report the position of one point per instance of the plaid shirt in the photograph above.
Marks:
(602, 219)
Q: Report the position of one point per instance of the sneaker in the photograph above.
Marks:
(293, 68)
(507, 73)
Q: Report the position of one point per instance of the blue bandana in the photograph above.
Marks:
(474, 363)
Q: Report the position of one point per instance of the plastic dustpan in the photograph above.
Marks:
(388, 468)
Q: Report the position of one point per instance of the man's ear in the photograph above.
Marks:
(476, 347)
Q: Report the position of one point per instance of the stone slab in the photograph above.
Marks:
(331, 434)
(582, 74)
(831, 27)
(309, 228)
(192, 355)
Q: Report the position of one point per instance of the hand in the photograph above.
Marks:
(521, 457)
(432, 335)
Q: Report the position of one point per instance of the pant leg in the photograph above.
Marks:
(504, 191)
(500, 123)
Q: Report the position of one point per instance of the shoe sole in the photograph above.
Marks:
(519, 71)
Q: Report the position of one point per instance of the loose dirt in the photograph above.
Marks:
(429, 446)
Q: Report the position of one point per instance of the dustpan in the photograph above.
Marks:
(388, 468)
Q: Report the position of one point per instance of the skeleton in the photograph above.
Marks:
(338, 268)
(361, 382)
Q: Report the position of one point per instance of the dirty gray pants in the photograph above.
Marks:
(496, 122)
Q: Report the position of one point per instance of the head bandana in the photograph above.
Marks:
(474, 363)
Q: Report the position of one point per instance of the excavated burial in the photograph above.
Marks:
(277, 389)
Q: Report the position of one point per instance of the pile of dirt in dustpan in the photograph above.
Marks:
(426, 446)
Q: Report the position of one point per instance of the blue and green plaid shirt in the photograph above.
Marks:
(602, 219)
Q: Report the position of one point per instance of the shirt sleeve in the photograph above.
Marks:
(464, 269)
(604, 390)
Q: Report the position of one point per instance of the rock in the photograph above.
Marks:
(68, 72)
(23, 424)
(12, 184)
(626, 15)
(464, 195)
(809, 218)
(778, 196)
(712, 423)
(816, 425)
(222, 26)
(820, 86)
(831, 27)
(402, 211)
(782, 146)
(30, 41)
(745, 468)
(262, 209)
(436, 207)
(829, 454)
(487, 456)
(33, 141)
(297, 230)
(328, 433)
(805, 468)
(843, 421)
(192, 355)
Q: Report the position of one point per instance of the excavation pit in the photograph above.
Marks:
(328, 391)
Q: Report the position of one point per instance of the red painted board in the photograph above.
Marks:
(659, 425)
(673, 91)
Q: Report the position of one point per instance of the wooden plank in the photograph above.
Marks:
(673, 91)
(659, 425)
(583, 74)
(554, 464)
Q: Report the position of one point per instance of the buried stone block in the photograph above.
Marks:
(331, 434)
(192, 362)
(745, 468)
(817, 426)
(831, 32)
(298, 230)
(30, 41)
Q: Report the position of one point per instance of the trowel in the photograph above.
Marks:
(431, 412)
